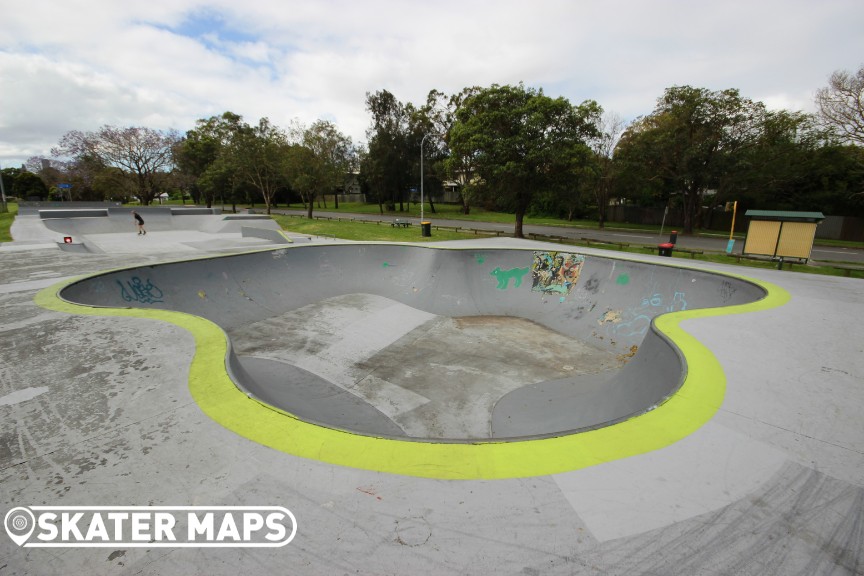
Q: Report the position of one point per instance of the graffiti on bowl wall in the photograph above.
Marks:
(555, 272)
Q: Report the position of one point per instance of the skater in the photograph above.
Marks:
(140, 222)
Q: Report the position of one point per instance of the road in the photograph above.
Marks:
(708, 243)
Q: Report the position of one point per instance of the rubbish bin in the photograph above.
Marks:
(673, 237)
(426, 228)
(665, 249)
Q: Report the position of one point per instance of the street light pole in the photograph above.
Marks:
(421, 177)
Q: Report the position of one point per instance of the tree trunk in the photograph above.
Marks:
(691, 204)
(431, 205)
(336, 201)
(520, 215)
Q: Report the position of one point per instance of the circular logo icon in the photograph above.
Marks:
(19, 523)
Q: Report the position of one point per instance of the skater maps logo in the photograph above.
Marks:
(150, 526)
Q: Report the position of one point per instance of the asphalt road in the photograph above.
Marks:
(708, 243)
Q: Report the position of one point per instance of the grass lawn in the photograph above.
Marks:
(360, 231)
(454, 212)
(6, 219)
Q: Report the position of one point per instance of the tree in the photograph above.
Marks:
(688, 142)
(841, 105)
(9, 176)
(390, 161)
(204, 155)
(142, 153)
(769, 172)
(111, 184)
(27, 185)
(319, 163)
(260, 153)
(602, 174)
(520, 142)
(89, 178)
(442, 111)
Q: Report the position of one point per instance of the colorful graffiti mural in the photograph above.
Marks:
(555, 272)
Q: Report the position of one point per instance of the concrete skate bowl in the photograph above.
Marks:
(452, 363)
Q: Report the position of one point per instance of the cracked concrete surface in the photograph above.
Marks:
(774, 485)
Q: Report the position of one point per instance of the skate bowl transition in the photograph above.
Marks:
(450, 363)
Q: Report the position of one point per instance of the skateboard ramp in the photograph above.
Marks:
(113, 230)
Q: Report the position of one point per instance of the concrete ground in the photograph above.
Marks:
(97, 411)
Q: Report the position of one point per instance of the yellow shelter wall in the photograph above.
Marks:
(762, 237)
(796, 239)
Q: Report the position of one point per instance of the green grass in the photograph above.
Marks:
(6, 219)
(454, 212)
(360, 231)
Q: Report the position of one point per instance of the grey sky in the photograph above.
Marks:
(80, 64)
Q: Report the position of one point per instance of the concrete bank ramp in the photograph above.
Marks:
(113, 230)
(444, 344)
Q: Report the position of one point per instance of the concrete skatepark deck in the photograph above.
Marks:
(107, 410)
(169, 229)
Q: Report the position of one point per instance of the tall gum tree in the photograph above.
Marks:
(520, 142)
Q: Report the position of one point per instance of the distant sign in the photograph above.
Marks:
(64, 186)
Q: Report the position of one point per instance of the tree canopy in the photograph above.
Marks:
(319, 162)
(140, 152)
(841, 105)
(204, 155)
(511, 148)
(687, 144)
(521, 142)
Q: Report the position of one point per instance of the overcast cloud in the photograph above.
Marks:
(80, 64)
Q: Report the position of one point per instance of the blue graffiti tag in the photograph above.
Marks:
(635, 321)
(137, 291)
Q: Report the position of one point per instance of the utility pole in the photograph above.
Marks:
(421, 177)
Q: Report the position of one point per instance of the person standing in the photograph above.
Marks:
(140, 222)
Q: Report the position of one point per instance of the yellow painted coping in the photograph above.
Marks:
(696, 401)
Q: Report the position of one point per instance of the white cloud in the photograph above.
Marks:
(164, 64)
